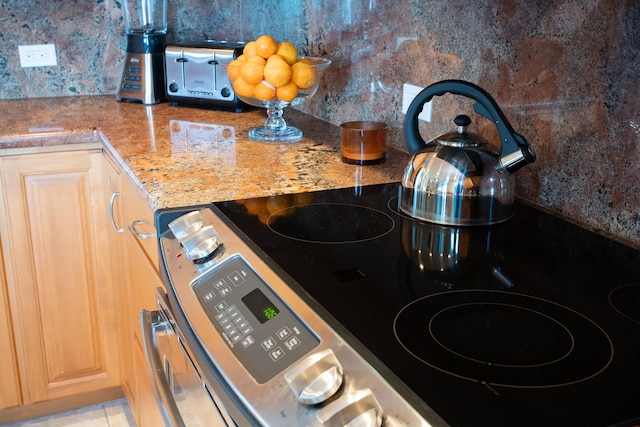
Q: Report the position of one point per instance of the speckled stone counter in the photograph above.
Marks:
(185, 156)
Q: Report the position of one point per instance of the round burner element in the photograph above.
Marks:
(477, 331)
(503, 338)
(330, 223)
(626, 301)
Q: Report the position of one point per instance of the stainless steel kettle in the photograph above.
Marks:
(456, 179)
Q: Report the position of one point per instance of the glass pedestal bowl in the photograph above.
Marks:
(275, 128)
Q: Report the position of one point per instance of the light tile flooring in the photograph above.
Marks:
(109, 414)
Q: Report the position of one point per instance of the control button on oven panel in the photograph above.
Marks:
(261, 330)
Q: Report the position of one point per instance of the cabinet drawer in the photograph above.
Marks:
(139, 221)
(144, 281)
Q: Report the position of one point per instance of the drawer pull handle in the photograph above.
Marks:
(152, 324)
(112, 202)
(138, 233)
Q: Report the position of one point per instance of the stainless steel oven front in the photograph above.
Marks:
(183, 395)
(270, 358)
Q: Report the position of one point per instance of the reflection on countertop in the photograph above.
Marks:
(186, 156)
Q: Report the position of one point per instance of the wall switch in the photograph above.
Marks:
(37, 55)
(409, 92)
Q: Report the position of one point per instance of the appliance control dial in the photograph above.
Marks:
(316, 378)
(201, 244)
(199, 241)
(186, 225)
(359, 409)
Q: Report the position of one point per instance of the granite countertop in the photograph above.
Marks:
(185, 156)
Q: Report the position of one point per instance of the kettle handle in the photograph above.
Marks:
(515, 152)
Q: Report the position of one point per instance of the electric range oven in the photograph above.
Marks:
(353, 312)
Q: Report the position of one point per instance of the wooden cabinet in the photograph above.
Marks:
(78, 262)
(120, 266)
(58, 273)
(9, 385)
(133, 243)
(142, 263)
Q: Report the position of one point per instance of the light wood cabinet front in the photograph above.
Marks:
(10, 395)
(58, 273)
(135, 261)
(142, 259)
(120, 271)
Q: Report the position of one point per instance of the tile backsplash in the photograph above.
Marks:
(565, 72)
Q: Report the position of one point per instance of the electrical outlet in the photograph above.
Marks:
(409, 92)
(38, 55)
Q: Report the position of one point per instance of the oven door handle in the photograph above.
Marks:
(152, 321)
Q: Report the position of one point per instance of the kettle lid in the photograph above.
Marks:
(460, 138)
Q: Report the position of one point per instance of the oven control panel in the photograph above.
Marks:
(261, 330)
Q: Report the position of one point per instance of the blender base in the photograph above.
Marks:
(143, 73)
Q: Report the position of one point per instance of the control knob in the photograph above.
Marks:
(201, 244)
(186, 224)
(199, 241)
(316, 378)
(357, 409)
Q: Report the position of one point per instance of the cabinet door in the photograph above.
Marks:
(9, 386)
(114, 200)
(142, 252)
(142, 259)
(59, 274)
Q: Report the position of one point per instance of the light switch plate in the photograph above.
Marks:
(409, 92)
(37, 55)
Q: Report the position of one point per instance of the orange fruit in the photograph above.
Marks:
(264, 91)
(274, 57)
(249, 49)
(252, 71)
(288, 52)
(304, 74)
(277, 72)
(288, 92)
(233, 69)
(256, 59)
(265, 46)
(242, 88)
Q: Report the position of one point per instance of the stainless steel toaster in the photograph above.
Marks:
(195, 75)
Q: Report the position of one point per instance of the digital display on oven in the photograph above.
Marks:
(260, 306)
(262, 331)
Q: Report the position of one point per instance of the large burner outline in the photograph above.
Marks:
(279, 217)
(563, 354)
(485, 372)
(630, 313)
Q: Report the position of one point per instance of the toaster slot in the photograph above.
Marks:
(200, 71)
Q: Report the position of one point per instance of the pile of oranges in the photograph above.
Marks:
(267, 70)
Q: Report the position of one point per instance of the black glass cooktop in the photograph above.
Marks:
(534, 321)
